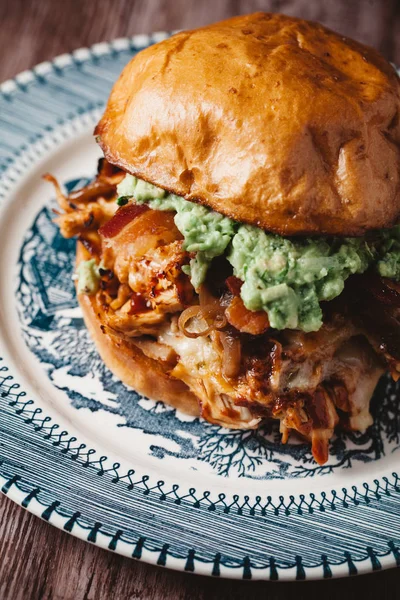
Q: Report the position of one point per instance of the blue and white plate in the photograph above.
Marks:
(121, 471)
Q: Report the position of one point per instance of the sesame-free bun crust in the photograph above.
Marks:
(267, 119)
(128, 363)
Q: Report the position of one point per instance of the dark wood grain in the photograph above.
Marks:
(33, 31)
(39, 562)
(36, 560)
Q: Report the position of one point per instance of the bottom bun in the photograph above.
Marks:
(128, 363)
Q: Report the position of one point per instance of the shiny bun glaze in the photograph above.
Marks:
(268, 119)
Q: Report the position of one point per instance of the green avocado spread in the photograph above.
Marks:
(88, 277)
(286, 277)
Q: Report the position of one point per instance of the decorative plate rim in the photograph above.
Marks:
(29, 497)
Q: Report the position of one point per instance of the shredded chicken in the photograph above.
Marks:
(81, 215)
(240, 370)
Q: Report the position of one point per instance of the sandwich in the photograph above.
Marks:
(238, 252)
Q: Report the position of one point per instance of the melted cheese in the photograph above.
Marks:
(199, 366)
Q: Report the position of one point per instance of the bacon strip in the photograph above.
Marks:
(244, 320)
(122, 217)
(234, 285)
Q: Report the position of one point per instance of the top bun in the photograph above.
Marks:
(268, 119)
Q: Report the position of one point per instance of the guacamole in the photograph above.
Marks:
(88, 277)
(388, 264)
(206, 232)
(289, 277)
(286, 277)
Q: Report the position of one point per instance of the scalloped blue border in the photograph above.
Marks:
(87, 457)
(162, 553)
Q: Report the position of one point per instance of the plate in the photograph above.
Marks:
(98, 460)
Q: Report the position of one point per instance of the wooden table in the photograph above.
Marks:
(37, 560)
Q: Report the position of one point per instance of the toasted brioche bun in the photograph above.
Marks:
(268, 119)
(128, 363)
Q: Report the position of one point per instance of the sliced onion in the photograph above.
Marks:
(193, 312)
(220, 321)
(231, 354)
(212, 308)
(209, 311)
(206, 298)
